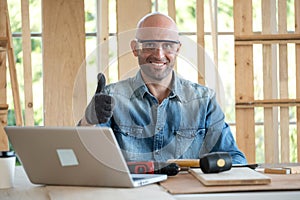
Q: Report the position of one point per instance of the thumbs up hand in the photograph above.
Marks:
(101, 107)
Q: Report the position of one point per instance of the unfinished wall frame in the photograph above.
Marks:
(274, 36)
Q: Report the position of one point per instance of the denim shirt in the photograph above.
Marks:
(187, 124)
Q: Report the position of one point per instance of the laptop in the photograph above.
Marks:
(74, 156)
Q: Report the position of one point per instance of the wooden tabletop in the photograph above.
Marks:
(24, 190)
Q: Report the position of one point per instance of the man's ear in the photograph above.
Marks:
(134, 47)
(178, 48)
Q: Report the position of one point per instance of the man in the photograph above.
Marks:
(156, 115)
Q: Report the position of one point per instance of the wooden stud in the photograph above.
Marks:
(63, 56)
(127, 19)
(283, 80)
(4, 145)
(172, 14)
(172, 9)
(244, 89)
(200, 41)
(270, 83)
(297, 31)
(13, 74)
(103, 37)
(26, 45)
(3, 39)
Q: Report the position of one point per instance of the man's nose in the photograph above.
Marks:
(159, 52)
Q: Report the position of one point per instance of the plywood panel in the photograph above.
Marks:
(244, 91)
(127, 18)
(63, 54)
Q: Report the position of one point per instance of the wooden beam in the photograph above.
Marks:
(268, 37)
(13, 74)
(269, 103)
(4, 145)
(172, 9)
(200, 41)
(283, 81)
(127, 19)
(297, 54)
(3, 93)
(172, 14)
(103, 37)
(270, 83)
(26, 46)
(63, 61)
(3, 49)
(244, 88)
(3, 42)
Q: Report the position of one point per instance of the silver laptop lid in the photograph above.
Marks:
(83, 156)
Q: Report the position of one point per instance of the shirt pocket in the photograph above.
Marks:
(131, 131)
(130, 141)
(188, 143)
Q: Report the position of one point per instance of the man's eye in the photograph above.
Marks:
(167, 45)
(149, 45)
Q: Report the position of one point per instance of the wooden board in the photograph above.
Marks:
(270, 83)
(63, 56)
(235, 176)
(26, 47)
(283, 80)
(127, 19)
(200, 41)
(244, 88)
(297, 31)
(185, 183)
(3, 47)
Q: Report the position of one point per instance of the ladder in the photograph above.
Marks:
(6, 51)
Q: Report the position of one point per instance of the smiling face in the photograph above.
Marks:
(156, 47)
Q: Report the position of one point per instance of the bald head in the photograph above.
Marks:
(157, 20)
(157, 26)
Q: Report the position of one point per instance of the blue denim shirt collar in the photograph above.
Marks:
(141, 89)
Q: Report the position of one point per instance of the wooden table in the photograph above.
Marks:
(180, 187)
(24, 190)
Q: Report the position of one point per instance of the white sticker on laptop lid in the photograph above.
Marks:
(67, 157)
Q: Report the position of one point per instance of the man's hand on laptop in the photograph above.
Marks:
(101, 107)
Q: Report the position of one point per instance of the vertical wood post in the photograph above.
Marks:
(244, 89)
(297, 30)
(270, 83)
(283, 80)
(200, 41)
(26, 45)
(127, 19)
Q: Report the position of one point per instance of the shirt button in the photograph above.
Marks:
(156, 151)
